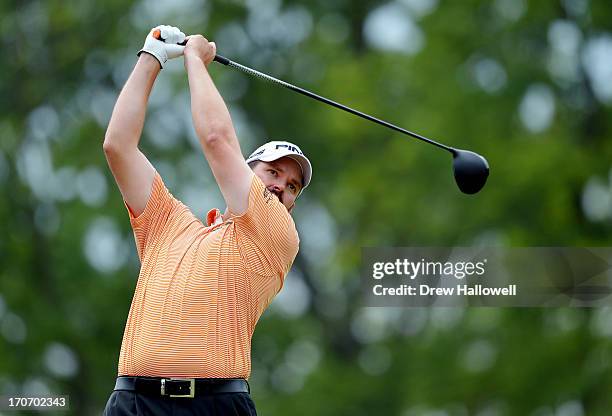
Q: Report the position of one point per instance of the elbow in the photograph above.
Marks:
(115, 141)
(211, 140)
(108, 146)
(112, 147)
(214, 138)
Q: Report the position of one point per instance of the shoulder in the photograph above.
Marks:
(268, 205)
(266, 216)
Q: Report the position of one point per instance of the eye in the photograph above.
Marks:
(273, 172)
(292, 187)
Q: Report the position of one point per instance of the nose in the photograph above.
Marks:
(278, 188)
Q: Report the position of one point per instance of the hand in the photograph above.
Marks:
(199, 46)
(167, 47)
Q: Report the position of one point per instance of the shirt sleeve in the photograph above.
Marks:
(266, 233)
(152, 221)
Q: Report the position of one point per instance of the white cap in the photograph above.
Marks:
(276, 149)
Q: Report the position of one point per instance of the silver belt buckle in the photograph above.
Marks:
(191, 393)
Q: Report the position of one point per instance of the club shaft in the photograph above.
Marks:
(228, 62)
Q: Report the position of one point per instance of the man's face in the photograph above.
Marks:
(282, 177)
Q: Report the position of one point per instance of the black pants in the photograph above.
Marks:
(129, 403)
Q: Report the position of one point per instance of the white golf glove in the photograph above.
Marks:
(163, 43)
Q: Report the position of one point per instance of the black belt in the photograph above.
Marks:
(181, 387)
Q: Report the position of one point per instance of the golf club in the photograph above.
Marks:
(470, 169)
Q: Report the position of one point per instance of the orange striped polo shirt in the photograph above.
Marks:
(202, 288)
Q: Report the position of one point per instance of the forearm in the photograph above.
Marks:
(127, 120)
(211, 118)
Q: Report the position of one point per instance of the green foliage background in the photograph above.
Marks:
(62, 311)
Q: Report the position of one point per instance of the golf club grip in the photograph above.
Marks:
(157, 35)
(221, 59)
(218, 58)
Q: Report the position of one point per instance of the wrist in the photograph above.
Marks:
(191, 57)
(149, 60)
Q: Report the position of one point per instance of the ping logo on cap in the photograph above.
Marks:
(290, 148)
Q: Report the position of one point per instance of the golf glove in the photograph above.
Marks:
(167, 46)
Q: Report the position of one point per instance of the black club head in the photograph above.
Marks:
(471, 170)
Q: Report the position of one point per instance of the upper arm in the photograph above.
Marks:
(231, 171)
(154, 213)
(134, 175)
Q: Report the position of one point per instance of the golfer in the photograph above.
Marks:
(202, 286)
